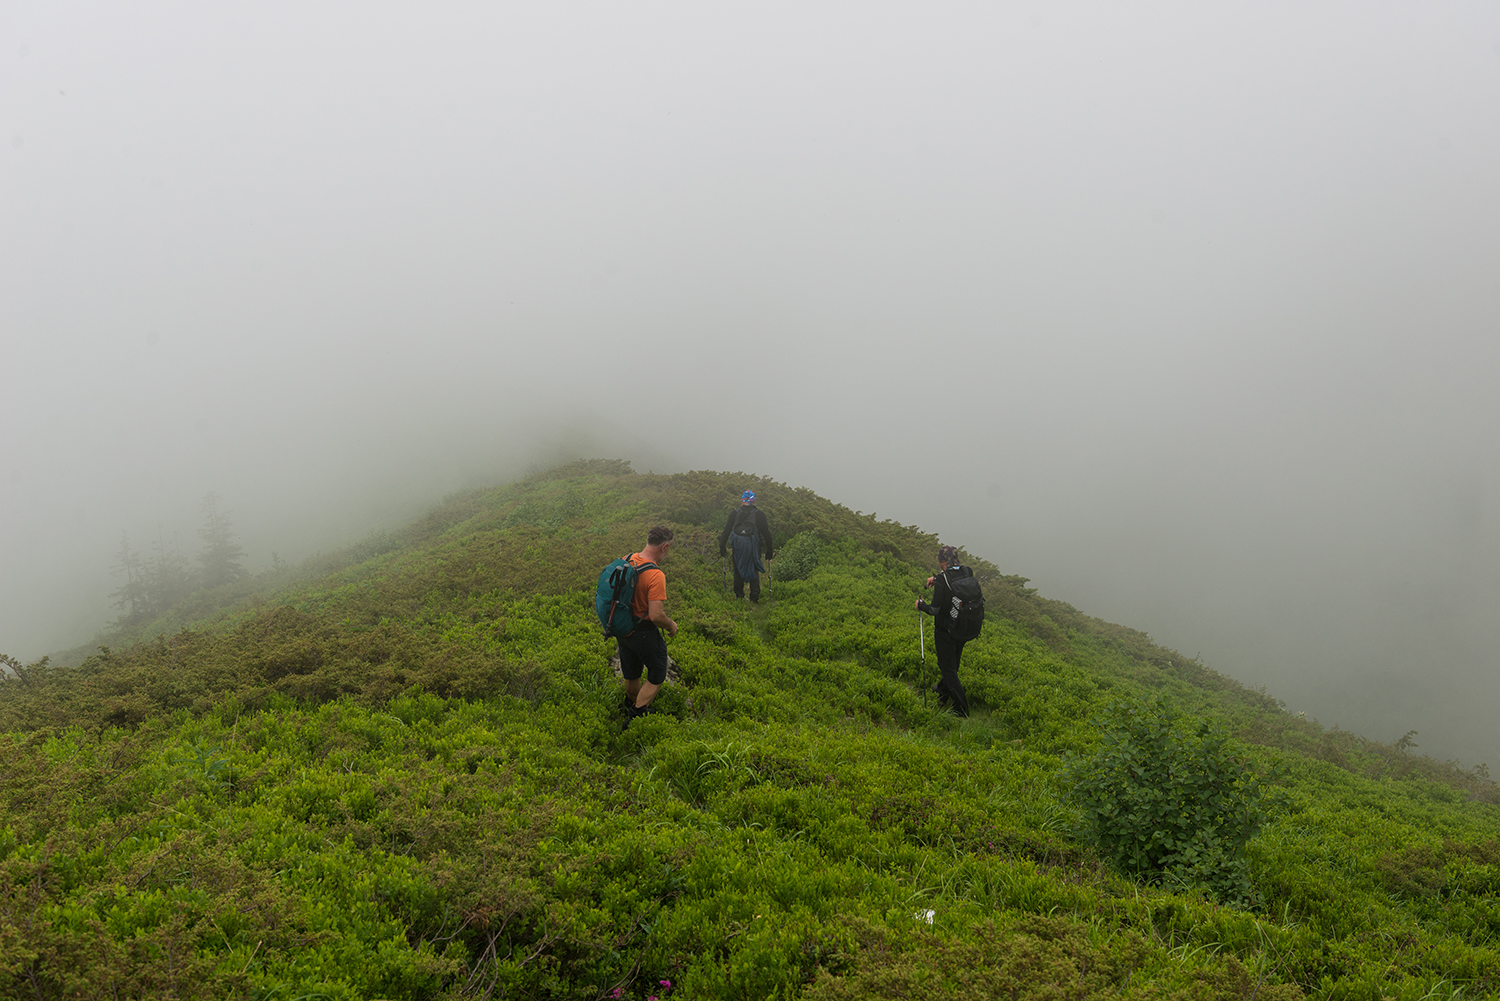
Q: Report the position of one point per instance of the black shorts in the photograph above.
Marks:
(643, 648)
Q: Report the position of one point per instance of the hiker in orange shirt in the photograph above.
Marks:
(644, 650)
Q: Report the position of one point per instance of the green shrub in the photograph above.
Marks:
(1169, 796)
(798, 558)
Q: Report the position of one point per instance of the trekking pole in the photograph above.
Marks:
(922, 645)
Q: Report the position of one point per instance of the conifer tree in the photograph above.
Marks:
(131, 598)
(221, 555)
(166, 575)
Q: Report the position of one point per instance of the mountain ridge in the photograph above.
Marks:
(800, 731)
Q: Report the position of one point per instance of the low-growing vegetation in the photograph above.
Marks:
(406, 772)
(1164, 796)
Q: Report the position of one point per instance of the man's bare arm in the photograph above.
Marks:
(656, 611)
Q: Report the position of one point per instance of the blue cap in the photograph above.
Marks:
(748, 495)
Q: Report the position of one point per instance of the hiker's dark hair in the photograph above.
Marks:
(658, 535)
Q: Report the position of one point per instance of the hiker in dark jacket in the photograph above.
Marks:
(748, 531)
(950, 691)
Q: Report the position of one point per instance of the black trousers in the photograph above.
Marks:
(949, 689)
(739, 586)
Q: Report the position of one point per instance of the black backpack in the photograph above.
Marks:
(966, 605)
(744, 521)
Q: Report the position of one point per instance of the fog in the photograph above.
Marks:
(1188, 314)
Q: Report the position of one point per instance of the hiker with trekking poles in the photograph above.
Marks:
(748, 531)
(631, 605)
(958, 608)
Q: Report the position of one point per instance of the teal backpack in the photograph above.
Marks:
(612, 599)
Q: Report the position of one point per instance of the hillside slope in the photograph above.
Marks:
(410, 775)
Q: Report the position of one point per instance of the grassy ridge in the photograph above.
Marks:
(407, 774)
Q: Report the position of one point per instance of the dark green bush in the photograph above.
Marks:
(1169, 796)
(798, 558)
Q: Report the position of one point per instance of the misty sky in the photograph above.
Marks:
(1190, 313)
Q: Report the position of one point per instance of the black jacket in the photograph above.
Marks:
(942, 597)
(762, 528)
